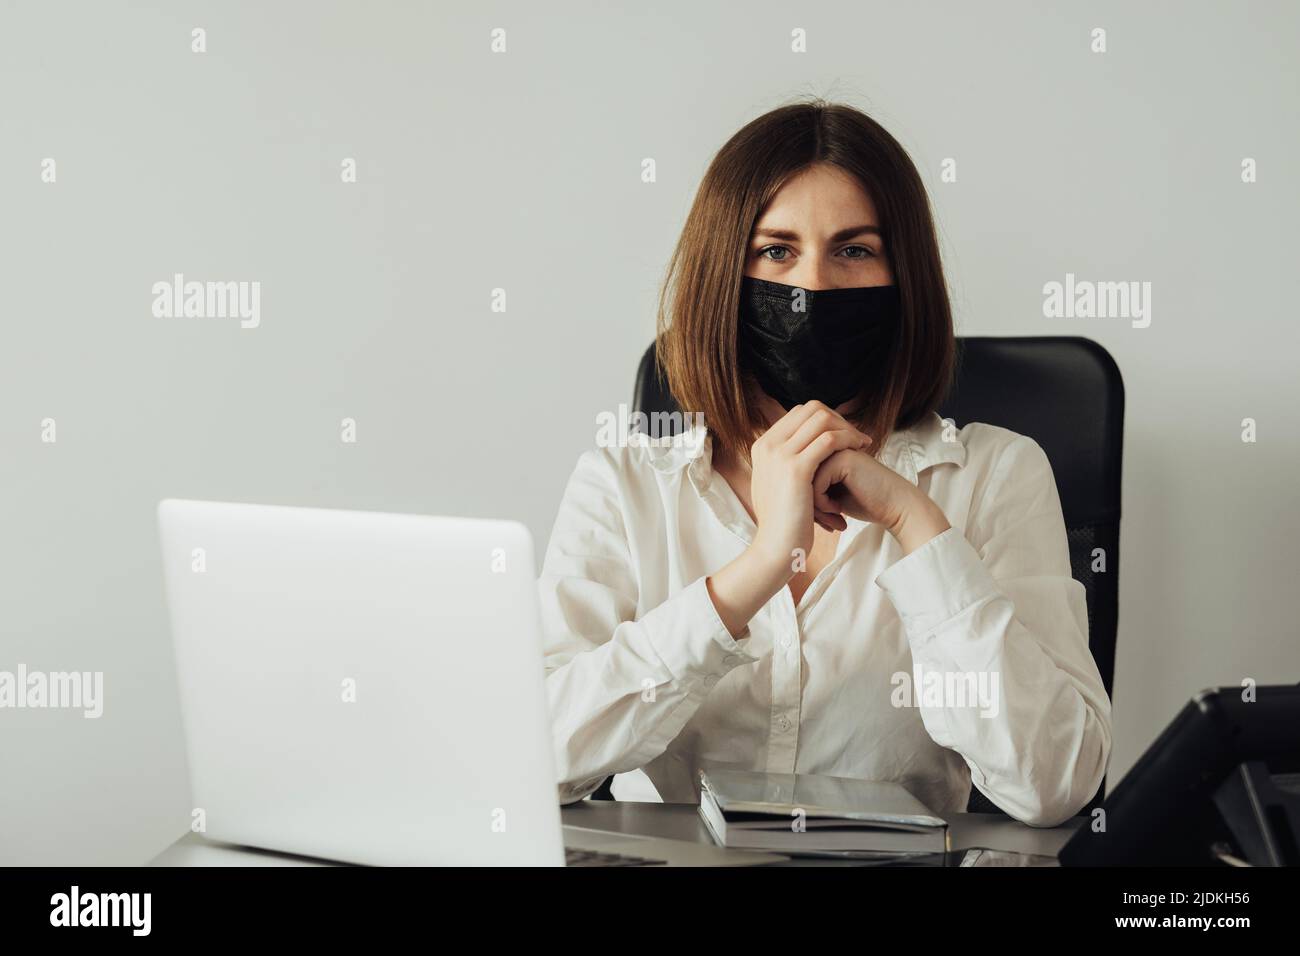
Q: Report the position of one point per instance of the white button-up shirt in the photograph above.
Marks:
(964, 661)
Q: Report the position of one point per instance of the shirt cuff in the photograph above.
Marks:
(937, 581)
(691, 639)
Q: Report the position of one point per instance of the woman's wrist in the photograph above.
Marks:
(740, 589)
(919, 520)
(770, 567)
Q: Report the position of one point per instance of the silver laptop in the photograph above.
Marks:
(369, 688)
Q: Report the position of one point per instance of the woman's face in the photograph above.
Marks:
(820, 231)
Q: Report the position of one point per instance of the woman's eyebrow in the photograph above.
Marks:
(840, 236)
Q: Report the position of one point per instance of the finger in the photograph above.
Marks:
(823, 502)
(826, 504)
(831, 522)
(788, 423)
(822, 420)
(843, 422)
(822, 447)
(832, 471)
(817, 421)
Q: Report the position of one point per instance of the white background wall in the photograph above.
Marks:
(521, 171)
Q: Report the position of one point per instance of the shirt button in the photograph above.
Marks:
(711, 681)
(785, 643)
(783, 723)
(731, 660)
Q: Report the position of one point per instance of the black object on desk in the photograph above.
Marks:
(1222, 783)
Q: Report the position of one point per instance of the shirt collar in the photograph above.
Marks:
(912, 450)
(908, 451)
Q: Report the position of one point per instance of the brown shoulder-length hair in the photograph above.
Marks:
(699, 302)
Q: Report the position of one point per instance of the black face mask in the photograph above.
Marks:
(838, 345)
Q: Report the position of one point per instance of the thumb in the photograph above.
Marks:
(831, 471)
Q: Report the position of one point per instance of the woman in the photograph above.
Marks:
(825, 577)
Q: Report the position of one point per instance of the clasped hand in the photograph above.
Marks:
(813, 466)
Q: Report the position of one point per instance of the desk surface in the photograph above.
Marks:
(677, 821)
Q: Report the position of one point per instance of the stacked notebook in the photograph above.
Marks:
(794, 813)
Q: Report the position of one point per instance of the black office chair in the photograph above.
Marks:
(1066, 393)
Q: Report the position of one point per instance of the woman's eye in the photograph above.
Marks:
(849, 252)
(866, 251)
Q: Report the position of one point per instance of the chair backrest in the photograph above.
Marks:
(1067, 394)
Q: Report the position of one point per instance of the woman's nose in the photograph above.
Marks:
(811, 278)
(811, 274)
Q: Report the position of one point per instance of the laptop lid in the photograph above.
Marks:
(362, 686)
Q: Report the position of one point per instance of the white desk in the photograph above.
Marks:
(679, 821)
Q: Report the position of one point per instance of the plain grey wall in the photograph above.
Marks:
(522, 171)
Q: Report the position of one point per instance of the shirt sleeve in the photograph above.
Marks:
(619, 687)
(1009, 612)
